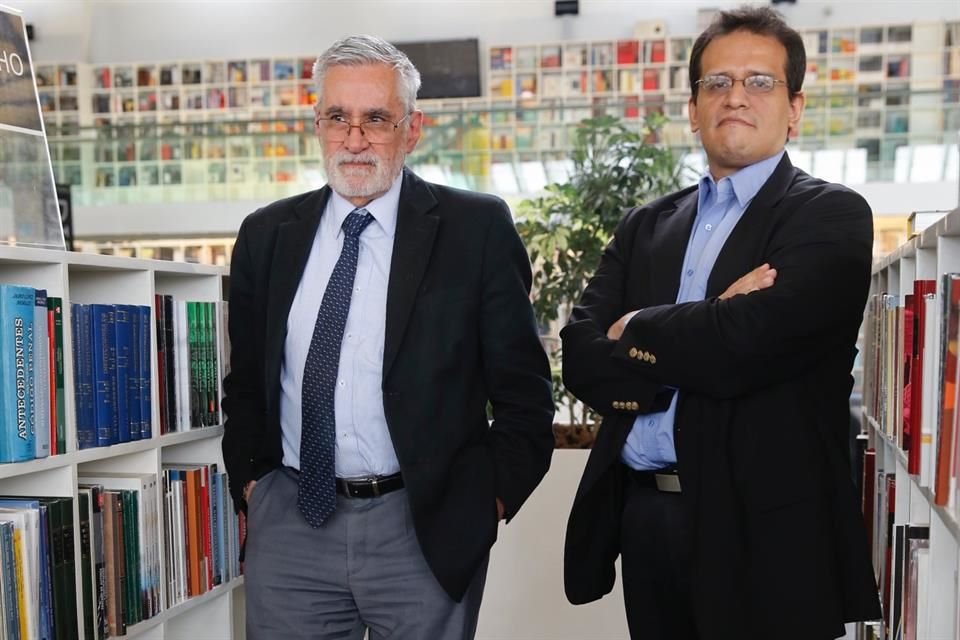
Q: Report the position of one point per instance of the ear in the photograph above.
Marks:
(414, 129)
(692, 114)
(316, 119)
(797, 103)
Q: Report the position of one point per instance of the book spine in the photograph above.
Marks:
(99, 562)
(135, 374)
(70, 568)
(170, 345)
(122, 331)
(161, 363)
(55, 305)
(146, 377)
(103, 334)
(16, 320)
(41, 377)
(86, 565)
(193, 346)
(10, 594)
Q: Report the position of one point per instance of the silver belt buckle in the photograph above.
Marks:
(668, 482)
(375, 486)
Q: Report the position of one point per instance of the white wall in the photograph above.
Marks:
(149, 30)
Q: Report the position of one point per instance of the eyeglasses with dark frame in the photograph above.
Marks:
(755, 85)
(376, 129)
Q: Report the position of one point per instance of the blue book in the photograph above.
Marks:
(103, 344)
(10, 604)
(124, 332)
(83, 375)
(214, 529)
(133, 381)
(146, 408)
(46, 577)
(17, 440)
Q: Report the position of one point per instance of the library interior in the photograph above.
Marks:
(141, 134)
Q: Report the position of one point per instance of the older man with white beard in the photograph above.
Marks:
(372, 322)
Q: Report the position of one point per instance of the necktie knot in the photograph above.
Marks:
(356, 222)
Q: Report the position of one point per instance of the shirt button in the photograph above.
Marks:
(650, 423)
(708, 227)
(342, 383)
(689, 273)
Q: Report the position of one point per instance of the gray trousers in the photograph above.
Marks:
(362, 571)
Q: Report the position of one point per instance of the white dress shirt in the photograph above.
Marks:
(363, 444)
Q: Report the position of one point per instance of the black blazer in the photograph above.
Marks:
(459, 331)
(762, 417)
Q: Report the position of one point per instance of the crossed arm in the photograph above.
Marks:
(771, 324)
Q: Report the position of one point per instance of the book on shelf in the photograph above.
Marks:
(112, 375)
(931, 376)
(946, 433)
(140, 494)
(187, 363)
(16, 322)
(25, 559)
(912, 383)
(203, 532)
(93, 576)
(913, 436)
(628, 52)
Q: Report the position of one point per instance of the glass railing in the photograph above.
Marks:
(514, 150)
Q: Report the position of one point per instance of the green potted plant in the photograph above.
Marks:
(566, 229)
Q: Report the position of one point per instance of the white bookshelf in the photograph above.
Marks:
(89, 278)
(927, 256)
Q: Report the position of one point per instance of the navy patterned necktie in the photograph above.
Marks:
(316, 496)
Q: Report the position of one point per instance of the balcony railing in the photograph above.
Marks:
(853, 137)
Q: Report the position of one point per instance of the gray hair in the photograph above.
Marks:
(355, 51)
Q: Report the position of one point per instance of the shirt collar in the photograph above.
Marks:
(383, 209)
(746, 182)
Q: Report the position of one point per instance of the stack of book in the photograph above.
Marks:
(31, 374)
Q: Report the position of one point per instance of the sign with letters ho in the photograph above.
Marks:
(29, 211)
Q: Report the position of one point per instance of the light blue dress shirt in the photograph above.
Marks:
(363, 444)
(720, 205)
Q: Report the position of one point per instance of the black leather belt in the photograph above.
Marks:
(369, 487)
(666, 480)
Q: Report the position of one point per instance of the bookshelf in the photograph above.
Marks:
(877, 87)
(235, 125)
(88, 278)
(936, 251)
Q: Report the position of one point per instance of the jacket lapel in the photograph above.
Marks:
(755, 222)
(669, 246)
(294, 240)
(412, 246)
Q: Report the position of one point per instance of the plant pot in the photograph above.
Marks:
(574, 436)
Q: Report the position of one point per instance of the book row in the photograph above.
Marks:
(111, 352)
(912, 389)
(901, 556)
(132, 565)
(31, 374)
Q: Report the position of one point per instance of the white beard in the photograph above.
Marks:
(352, 182)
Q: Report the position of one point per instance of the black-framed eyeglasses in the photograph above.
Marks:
(755, 85)
(376, 129)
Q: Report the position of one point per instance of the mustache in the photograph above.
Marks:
(342, 157)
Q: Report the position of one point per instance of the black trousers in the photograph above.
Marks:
(655, 543)
(655, 561)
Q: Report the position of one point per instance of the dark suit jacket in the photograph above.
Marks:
(459, 331)
(762, 416)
